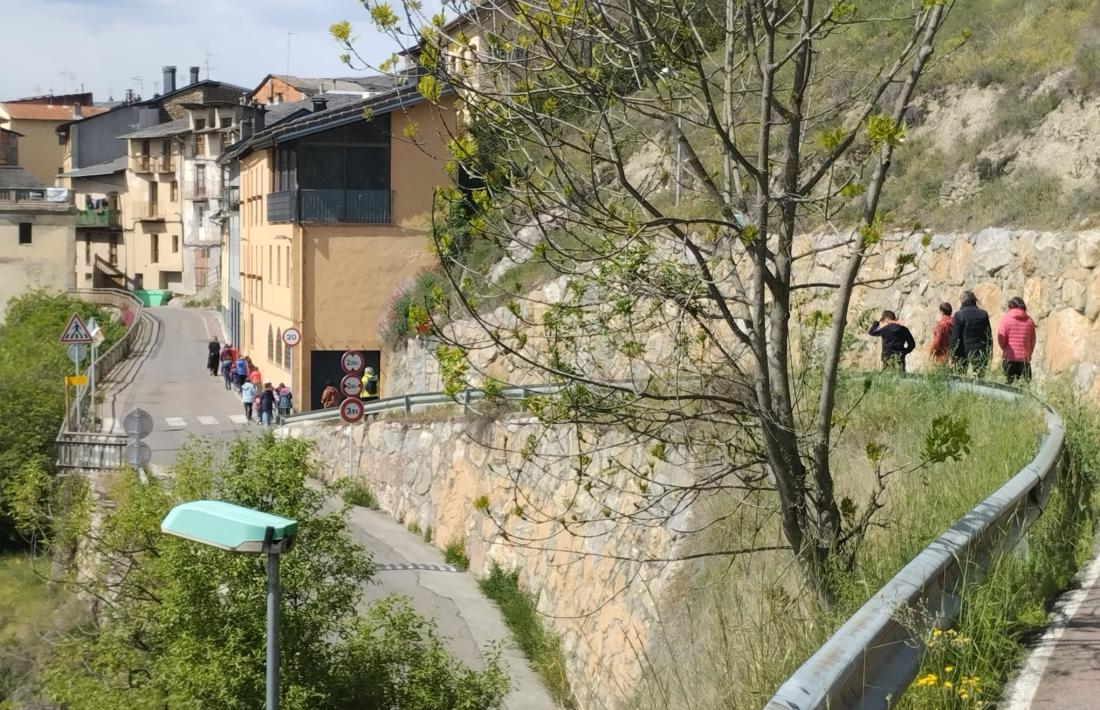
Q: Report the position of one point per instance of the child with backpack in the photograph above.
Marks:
(284, 400)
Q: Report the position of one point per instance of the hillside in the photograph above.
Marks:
(1004, 133)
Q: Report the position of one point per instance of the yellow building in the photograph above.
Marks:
(37, 235)
(334, 215)
(36, 120)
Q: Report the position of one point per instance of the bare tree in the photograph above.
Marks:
(663, 156)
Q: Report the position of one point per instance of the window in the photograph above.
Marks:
(175, 244)
(154, 249)
(288, 266)
(200, 180)
(173, 191)
(270, 271)
(153, 189)
(24, 233)
(270, 344)
(286, 356)
(279, 266)
(200, 123)
(278, 98)
(251, 331)
(87, 250)
(278, 346)
(166, 148)
(145, 147)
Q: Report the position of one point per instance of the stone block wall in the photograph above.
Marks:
(540, 520)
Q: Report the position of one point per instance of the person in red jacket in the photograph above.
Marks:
(1016, 336)
(941, 335)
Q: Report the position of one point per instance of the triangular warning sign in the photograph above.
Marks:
(76, 331)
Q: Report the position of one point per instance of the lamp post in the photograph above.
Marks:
(246, 531)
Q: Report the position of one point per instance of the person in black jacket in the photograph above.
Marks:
(971, 336)
(897, 341)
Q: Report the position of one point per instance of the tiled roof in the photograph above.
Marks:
(105, 168)
(45, 112)
(161, 130)
(14, 177)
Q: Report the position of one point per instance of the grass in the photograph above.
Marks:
(413, 528)
(742, 624)
(455, 554)
(967, 665)
(357, 492)
(541, 646)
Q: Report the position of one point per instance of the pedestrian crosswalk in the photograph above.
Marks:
(189, 423)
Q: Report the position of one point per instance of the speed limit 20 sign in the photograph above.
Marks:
(291, 337)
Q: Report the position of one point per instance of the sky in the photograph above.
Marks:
(108, 46)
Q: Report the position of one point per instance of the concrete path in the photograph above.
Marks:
(167, 377)
(468, 621)
(1062, 672)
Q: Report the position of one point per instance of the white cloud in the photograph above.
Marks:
(59, 45)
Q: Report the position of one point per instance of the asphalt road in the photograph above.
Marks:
(168, 379)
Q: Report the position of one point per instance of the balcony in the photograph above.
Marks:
(198, 191)
(329, 206)
(103, 218)
(152, 163)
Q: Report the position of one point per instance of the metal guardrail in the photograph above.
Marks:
(87, 449)
(409, 402)
(872, 658)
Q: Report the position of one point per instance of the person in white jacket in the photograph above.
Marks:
(248, 393)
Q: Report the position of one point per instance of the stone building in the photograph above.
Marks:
(37, 235)
(36, 119)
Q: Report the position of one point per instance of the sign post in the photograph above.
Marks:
(292, 337)
(76, 333)
(138, 424)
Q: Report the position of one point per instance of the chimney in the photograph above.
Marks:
(246, 129)
(259, 118)
(194, 75)
(320, 103)
(169, 84)
(76, 110)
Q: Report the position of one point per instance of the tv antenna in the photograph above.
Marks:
(69, 77)
(207, 54)
(141, 84)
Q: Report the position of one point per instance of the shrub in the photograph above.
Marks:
(455, 554)
(355, 491)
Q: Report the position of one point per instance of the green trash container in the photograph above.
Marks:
(153, 297)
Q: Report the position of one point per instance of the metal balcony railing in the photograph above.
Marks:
(103, 218)
(329, 206)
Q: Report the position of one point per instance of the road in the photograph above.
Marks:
(167, 377)
(1062, 671)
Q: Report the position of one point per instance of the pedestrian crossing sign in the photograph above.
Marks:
(76, 331)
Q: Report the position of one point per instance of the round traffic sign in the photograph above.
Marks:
(138, 453)
(351, 410)
(291, 337)
(353, 362)
(77, 351)
(137, 423)
(351, 386)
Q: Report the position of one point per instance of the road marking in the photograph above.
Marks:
(208, 421)
(1027, 683)
(238, 418)
(175, 422)
(398, 566)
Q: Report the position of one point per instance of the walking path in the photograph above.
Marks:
(1063, 670)
(167, 377)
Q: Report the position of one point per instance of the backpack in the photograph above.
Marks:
(227, 356)
(284, 400)
(372, 385)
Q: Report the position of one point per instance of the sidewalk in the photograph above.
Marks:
(468, 621)
(1062, 671)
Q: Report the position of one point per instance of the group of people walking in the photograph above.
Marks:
(964, 339)
(262, 402)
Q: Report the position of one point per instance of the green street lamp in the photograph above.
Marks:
(243, 530)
